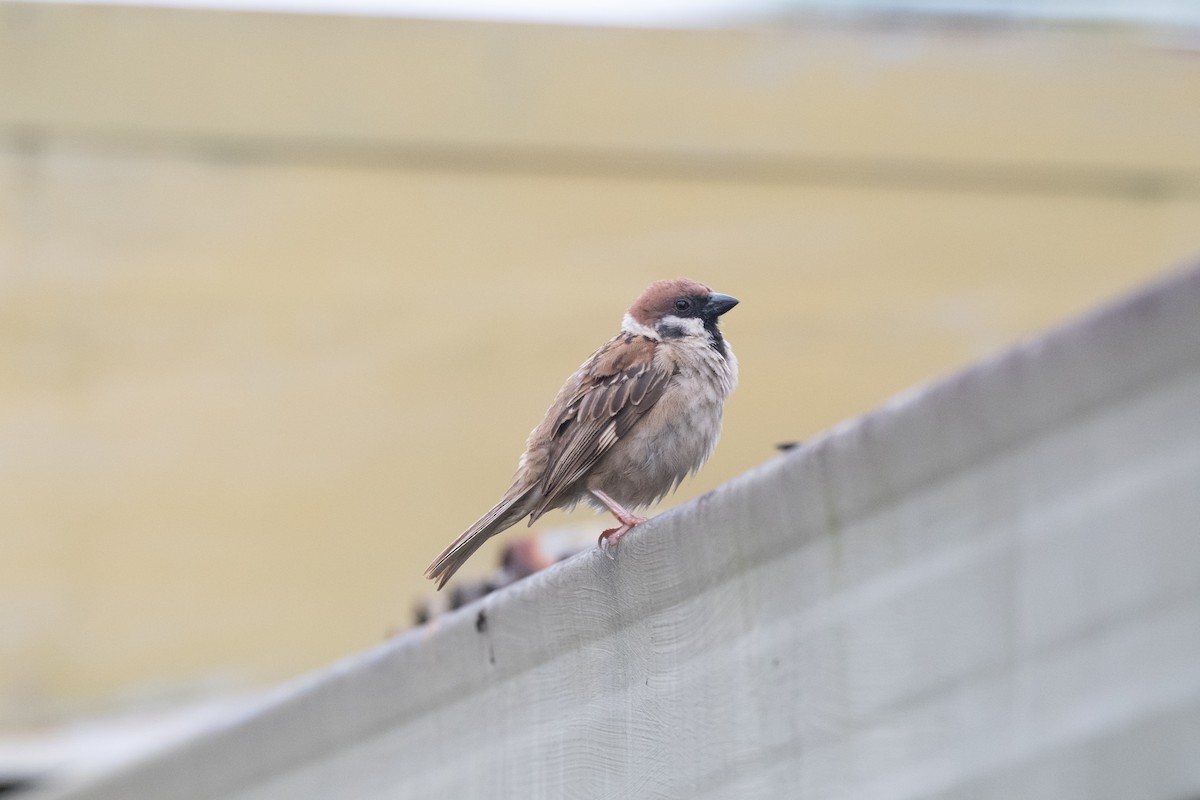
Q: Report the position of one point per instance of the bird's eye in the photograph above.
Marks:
(683, 304)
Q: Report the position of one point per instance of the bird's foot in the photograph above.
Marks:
(609, 539)
(627, 518)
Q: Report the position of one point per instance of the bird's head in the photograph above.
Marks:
(677, 308)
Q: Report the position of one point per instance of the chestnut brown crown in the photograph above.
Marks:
(658, 300)
(680, 298)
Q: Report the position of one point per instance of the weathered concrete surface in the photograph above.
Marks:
(988, 588)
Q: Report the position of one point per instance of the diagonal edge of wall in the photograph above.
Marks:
(981, 486)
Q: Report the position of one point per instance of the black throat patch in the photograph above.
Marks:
(715, 340)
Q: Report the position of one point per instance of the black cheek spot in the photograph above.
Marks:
(481, 622)
(671, 331)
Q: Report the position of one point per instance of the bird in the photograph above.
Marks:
(641, 413)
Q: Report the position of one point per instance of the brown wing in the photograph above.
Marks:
(623, 384)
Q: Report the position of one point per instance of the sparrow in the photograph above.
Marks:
(642, 413)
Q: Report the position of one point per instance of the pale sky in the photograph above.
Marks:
(582, 12)
(686, 13)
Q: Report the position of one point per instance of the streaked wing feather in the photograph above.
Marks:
(604, 411)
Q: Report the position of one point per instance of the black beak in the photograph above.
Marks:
(718, 304)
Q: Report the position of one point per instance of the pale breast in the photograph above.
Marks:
(675, 437)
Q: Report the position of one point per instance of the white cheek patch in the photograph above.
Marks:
(631, 325)
(671, 326)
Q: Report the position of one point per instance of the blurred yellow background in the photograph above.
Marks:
(281, 296)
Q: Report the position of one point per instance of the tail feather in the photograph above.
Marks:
(502, 516)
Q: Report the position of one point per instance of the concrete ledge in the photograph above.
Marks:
(988, 588)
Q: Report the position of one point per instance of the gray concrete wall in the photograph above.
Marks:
(988, 588)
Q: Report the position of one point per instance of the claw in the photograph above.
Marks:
(608, 540)
(605, 544)
(611, 537)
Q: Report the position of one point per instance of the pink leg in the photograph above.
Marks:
(627, 519)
